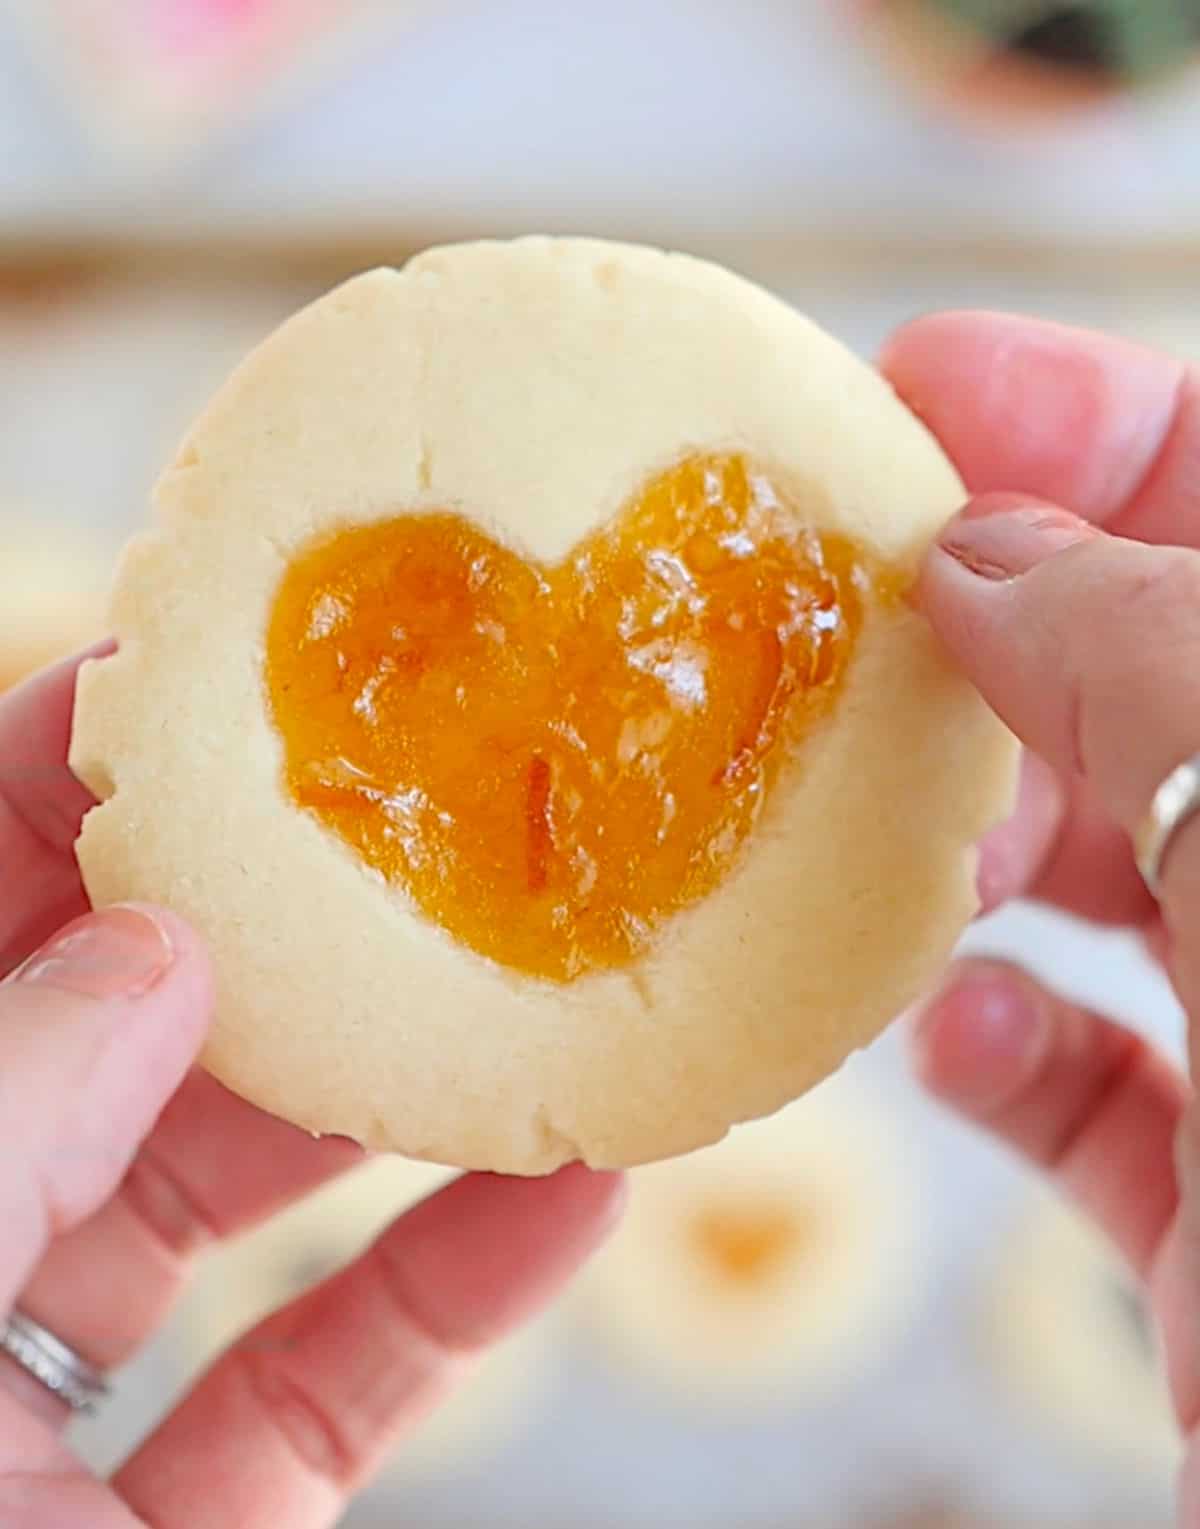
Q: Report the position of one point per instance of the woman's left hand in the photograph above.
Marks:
(122, 1163)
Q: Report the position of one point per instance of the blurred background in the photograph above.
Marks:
(856, 1315)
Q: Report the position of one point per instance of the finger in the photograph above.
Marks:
(1177, 1274)
(212, 1166)
(43, 1484)
(1090, 871)
(1110, 429)
(1079, 1096)
(1088, 646)
(41, 805)
(1106, 427)
(1189, 1485)
(1013, 854)
(308, 1404)
(96, 1031)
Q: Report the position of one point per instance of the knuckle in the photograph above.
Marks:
(1167, 591)
(1130, 635)
(294, 1410)
(423, 1328)
(158, 1200)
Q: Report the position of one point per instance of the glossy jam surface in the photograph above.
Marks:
(552, 761)
(744, 1245)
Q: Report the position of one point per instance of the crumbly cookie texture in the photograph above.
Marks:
(532, 386)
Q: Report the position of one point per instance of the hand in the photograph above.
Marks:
(120, 1164)
(1084, 635)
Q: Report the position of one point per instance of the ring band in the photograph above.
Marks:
(48, 1359)
(1175, 802)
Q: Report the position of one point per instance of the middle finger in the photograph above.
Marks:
(305, 1406)
(1061, 847)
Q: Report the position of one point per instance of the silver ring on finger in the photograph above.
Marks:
(1175, 803)
(55, 1363)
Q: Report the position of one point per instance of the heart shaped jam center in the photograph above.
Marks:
(552, 761)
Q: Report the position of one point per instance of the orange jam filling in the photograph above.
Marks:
(746, 1246)
(552, 761)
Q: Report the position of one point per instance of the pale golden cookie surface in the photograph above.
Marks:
(533, 390)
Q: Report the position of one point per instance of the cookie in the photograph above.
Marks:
(519, 693)
(1072, 1340)
(774, 1269)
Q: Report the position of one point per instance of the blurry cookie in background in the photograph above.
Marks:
(1032, 61)
(1069, 1336)
(245, 1279)
(773, 1268)
(54, 581)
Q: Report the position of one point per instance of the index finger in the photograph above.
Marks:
(1106, 427)
(41, 806)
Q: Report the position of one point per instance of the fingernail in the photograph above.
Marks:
(1001, 536)
(978, 1040)
(112, 953)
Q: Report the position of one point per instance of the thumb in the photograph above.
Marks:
(97, 1029)
(1088, 647)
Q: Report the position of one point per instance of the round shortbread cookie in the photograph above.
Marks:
(1070, 1334)
(534, 388)
(774, 1269)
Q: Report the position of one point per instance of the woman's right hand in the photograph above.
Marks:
(1069, 591)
